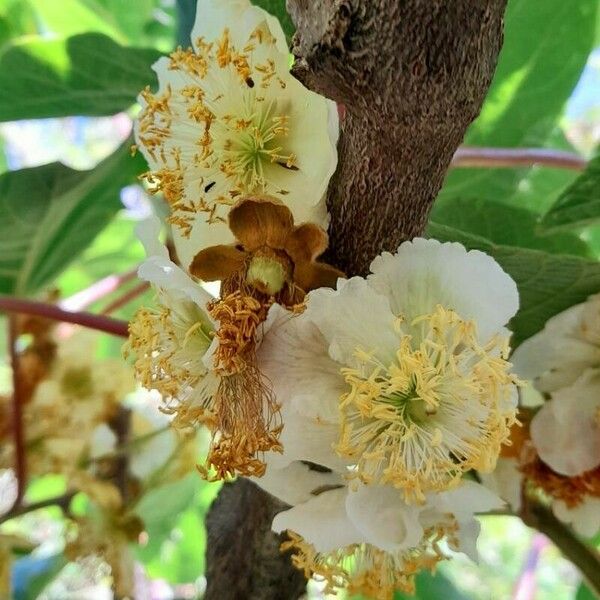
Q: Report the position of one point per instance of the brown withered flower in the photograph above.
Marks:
(272, 255)
(272, 261)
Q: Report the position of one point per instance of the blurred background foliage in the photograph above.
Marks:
(70, 71)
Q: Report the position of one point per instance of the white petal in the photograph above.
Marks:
(307, 439)
(173, 281)
(425, 273)
(506, 481)
(148, 232)
(293, 355)
(321, 521)
(239, 16)
(297, 482)
(556, 356)
(468, 533)
(566, 432)
(585, 518)
(104, 441)
(354, 317)
(466, 500)
(382, 516)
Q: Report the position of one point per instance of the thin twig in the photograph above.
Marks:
(17, 412)
(584, 557)
(525, 588)
(126, 298)
(50, 311)
(102, 288)
(499, 158)
(62, 502)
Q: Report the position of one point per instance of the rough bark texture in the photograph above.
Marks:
(411, 75)
(243, 557)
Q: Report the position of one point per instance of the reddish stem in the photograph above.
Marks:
(96, 291)
(17, 412)
(50, 311)
(471, 157)
(62, 502)
(126, 298)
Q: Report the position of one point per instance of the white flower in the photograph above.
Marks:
(387, 540)
(172, 344)
(568, 345)
(404, 372)
(566, 430)
(229, 119)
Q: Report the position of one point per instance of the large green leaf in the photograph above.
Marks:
(547, 43)
(505, 224)
(51, 213)
(579, 204)
(87, 74)
(548, 283)
(69, 17)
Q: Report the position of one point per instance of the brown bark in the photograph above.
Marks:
(412, 75)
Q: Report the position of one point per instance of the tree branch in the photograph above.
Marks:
(494, 158)
(62, 502)
(18, 402)
(53, 312)
(412, 75)
(584, 557)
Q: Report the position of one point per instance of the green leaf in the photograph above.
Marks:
(546, 46)
(86, 74)
(157, 507)
(277, 9)
(69, 17)
(584, 593)
(52, 213)
(433, 587)
(579, 204)
(505, 224)
(548, 283)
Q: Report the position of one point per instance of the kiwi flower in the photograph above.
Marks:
(408, 368)
(229, 120)
(366, 538)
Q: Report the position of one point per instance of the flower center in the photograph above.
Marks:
(269, 271)
(250, 145)
(440, 408)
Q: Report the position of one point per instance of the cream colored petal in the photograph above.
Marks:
(466, 500)
(307, 439)
(297, 482)
(148, 232)
(425, 273)
(239, 16)
(293, 355)
(505, 481)
(556, 356)
(584, 518)
(463, 503)
(566, 431)
(322, 521)
(354, 317)
(382, 516)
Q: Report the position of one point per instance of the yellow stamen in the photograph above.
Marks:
(438, 410)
